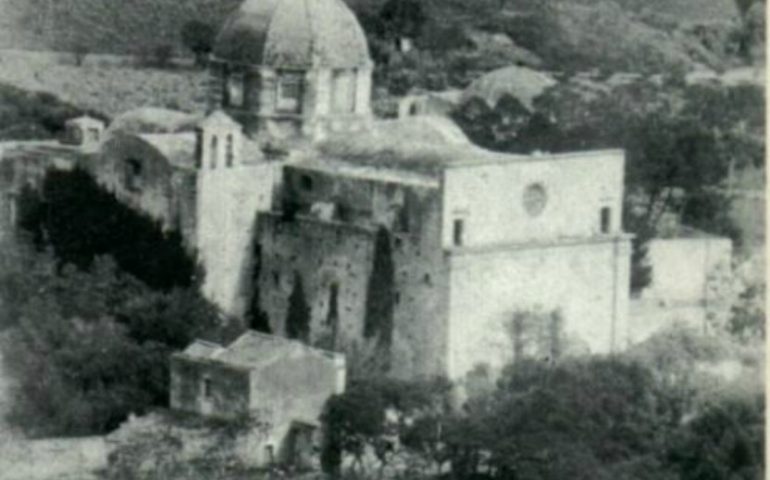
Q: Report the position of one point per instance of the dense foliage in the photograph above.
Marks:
(81, 221)
(95, 299)
(86, 347)
(625, 417)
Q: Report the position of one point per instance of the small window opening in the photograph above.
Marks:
(427, 279)
(457, 233)
(229, 154)
(214, 152)
(207, 390)
(93, 134)
(289, 98)
(133, 174)
(276, 278)
(606, 220)
(306, 183)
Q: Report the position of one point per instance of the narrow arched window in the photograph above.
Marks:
(229, 154)
(214, 152)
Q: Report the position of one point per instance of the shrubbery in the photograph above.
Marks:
(80, 221)
(87, 338)
(650, 414)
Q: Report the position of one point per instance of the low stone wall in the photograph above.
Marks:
(52, 458)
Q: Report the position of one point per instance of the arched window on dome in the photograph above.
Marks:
(213, 152)
(289, 94)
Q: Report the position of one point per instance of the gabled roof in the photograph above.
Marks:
(253, 350)
(219, 119)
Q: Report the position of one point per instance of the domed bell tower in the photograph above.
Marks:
(293, 68)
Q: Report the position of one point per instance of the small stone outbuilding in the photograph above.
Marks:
(282, 384)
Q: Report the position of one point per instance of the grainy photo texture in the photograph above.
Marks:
(382, 239)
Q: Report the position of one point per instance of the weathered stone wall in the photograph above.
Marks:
(230, 388)
(339, 251)
(587, 281)
(322, 254)
(490, 198)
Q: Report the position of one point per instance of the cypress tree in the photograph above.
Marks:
(380, 294)
(298, 315)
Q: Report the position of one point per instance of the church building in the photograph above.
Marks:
(400, 235)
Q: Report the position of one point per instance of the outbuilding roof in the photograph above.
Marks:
(253, 350)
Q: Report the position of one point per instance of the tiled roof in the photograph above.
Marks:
(293, 34)
(253, 350)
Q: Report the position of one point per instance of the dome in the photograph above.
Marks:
(293, 34)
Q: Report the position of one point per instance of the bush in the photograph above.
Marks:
(88, 347)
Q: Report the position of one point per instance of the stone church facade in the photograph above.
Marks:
(289, 178)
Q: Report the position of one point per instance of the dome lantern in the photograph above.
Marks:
(292, 67)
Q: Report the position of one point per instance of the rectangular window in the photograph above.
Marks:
(289, 98)
(207, 390)
(606, 220)
(457, 233)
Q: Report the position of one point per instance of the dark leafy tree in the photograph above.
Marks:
(724, 441)
(256, 317)
(199, 37)
(380, 294)
(81, 221)
(298, 314)
(88, 347)
(403, 18)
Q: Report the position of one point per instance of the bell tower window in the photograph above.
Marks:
(229, 154)
(214, 152)
(289, 94)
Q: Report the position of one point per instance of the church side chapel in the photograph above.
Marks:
(396, 237)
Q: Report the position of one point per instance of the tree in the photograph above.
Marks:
(298, 314)
(199, 37)
(402, 18)
(380, 295)
(256, 317)
(82, 221)
(725, 441)
(86, 347)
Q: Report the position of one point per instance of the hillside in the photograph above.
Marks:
(614, 34)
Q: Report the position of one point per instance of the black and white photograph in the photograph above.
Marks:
(382, 239)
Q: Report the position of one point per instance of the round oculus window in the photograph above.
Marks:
(535, 199)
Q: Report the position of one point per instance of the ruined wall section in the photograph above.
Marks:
(323, 254)
(330, 241)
